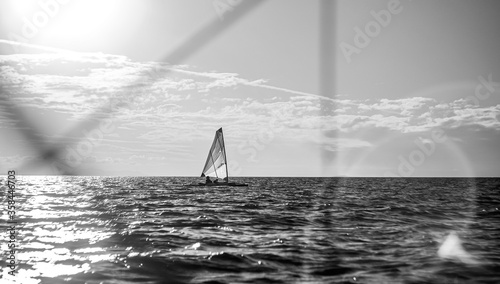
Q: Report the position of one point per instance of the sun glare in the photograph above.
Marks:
(70, 24)
(22, 8)
(86, 20)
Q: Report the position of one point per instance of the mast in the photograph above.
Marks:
(225, 156)
(216, 156)
(213, 163)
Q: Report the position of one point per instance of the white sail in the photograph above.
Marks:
(216, 164)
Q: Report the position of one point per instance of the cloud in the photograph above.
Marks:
(339, 144)
(163, 106)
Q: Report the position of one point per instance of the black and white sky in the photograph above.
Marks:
(417, 89)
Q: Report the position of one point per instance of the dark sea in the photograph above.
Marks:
(277, 230)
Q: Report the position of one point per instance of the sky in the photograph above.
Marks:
(415, 89)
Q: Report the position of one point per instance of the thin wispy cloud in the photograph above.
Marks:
(174, 104)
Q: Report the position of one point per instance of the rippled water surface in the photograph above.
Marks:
(278, 230)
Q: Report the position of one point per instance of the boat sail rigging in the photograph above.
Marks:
(216, 163)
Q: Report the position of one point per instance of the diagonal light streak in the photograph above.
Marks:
(183, 51)
(46, 150)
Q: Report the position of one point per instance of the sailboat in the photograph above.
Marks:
(216, 164)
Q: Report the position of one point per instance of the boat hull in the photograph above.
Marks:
(222, 184)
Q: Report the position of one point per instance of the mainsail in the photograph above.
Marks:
(216, 163)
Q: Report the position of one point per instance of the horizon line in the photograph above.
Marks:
(339, 176)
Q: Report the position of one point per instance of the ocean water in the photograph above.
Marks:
(278, 230)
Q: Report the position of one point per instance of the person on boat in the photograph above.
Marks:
(208, 180)
(216, 180)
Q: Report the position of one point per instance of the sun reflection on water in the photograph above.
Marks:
(56, 236)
